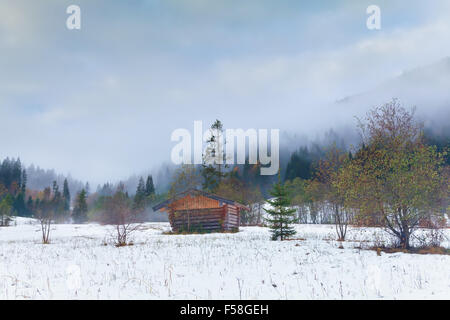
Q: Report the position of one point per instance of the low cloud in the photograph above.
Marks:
(101, 102)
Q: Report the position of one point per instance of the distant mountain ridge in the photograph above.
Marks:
(427, 88)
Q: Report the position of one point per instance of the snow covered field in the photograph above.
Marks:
(247, 265)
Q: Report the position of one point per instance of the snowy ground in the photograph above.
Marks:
(247, 265)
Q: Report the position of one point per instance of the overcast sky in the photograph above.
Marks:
(101, 102)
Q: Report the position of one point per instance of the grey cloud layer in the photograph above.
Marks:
(102, 102)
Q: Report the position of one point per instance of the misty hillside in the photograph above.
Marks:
(39, 179)
(426, 88)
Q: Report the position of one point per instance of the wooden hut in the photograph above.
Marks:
(195, 210)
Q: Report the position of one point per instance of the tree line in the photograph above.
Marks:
(13, 184)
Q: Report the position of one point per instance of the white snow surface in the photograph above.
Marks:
(81, 263)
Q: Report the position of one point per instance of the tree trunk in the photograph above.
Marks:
(405, 234)
(404, 239)
(259, 214)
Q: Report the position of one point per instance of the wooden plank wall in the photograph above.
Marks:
(232, 218)
(208, 219)
(225, 218)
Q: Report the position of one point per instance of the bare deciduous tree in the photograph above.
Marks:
(45, 214)
(120, 213)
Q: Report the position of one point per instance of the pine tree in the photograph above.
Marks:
(55, 188)
(87, 189)
(66, 196)
(214, 158)
(17, 176)
(149, 187)
(30, 206)
(57, 202)
(141, 187)
(80, 209)
(281, 216)
(24, 181)
(139, 198)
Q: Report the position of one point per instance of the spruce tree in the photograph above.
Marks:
(24, 181)
(30, 206)
(80, 209)
(149, 187)
(57, 202)
(139, 198)
(66, 196)
(214, 158)
(281, 216)
(55, 188)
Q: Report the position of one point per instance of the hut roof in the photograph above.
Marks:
(196, 192)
